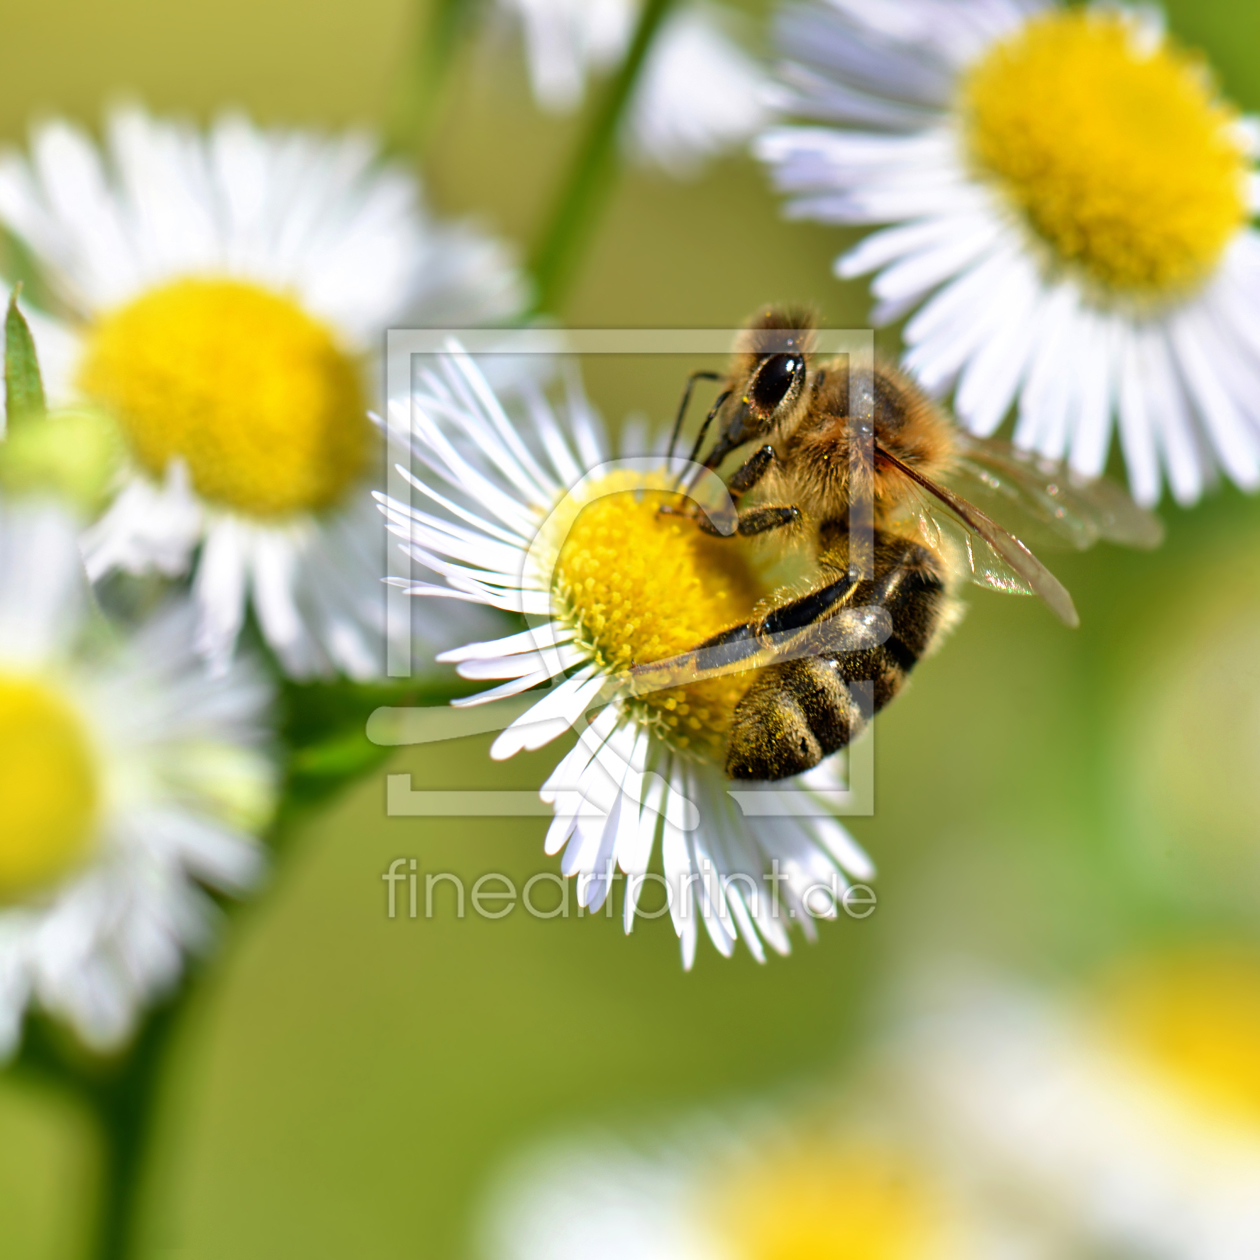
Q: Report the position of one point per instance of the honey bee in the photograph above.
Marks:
(834, 650)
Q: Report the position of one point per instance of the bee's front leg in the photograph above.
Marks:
(758, 520)
(751, 471)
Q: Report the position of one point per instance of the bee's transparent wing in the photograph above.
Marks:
(993, 556)
(1045, 502)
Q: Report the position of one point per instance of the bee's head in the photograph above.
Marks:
(768, 379)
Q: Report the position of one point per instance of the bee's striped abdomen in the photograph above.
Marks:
(798, 712)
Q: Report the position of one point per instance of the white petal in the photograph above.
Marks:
(699, 93)
(1137, 424)
(1237, 446)
(43, 587)
(1187, 470)
(527, 642)
(990, 380)
(219, 589)
(881, 248)
(1099, 375)
(554, 714)
(915, 274)
(1045, 388)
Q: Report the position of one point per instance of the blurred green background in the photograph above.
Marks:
(1044, 797)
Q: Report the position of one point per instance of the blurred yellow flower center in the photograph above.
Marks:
(251, 392)
(48, 787)
(643, 587)
(1120, 155)
(856, 1205)
(1196, 1020)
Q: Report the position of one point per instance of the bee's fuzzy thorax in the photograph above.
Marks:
(909, 425)
(816, 443)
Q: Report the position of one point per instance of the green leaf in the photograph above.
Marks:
(23, 389)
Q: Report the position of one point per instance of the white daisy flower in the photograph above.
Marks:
(764, 1188)
(1128, 1116)
(546, 528)
(226, 291)
(1070, 206)
(700, 93)
(128, 779)
(567, 40)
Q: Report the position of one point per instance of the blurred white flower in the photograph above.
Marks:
(567, 40)
(1127, 1118)
(529, 518)
(1070, 203)
(700, 94)
(128, 779)
(227, 293)
(767, 1187)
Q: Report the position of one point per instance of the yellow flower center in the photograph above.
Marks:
(1196, 1019)
(1120, 155)
(642, 587)
(251, 392)
(48, 785)
(835, 1205)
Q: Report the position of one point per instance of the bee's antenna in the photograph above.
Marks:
(701, 375)
(704, 428)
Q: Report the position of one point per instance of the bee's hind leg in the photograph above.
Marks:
(758, 520)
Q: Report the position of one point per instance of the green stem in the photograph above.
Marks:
(126, 1112)
(591, 176)
(119, 1095)
(420, 87)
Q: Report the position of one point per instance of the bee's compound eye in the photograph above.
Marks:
(773, 381)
